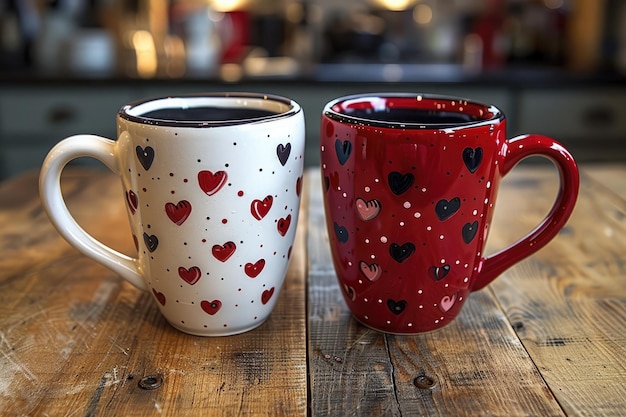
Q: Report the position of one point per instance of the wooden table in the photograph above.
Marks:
(548, 338)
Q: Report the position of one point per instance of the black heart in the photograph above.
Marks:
(439, 272)
(145, 156)
(341, 233)
(401, 253)
(343, 150)
(472, 158)
(400, 183)
(445, 209)
(396, 307)
(283, 153)
(469, 231)
(151, 241)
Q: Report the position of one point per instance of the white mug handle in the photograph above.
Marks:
(59, 156)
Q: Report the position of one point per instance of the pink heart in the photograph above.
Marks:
(447, 302)
(372, 272)
(367, 209)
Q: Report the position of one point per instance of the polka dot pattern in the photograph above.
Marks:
(408, 212)
(213, 215)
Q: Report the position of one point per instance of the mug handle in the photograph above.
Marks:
(59, 156)
(517, 149)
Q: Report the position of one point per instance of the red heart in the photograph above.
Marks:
(191, 275)
(179, 212)
(211, 307)
(254, 269)
(283, 225)
(298, 186)
(223, 252)
(133, 201)
(211, 182)
(371, 271)
(159, 296)
(267, 294)
(260, 208)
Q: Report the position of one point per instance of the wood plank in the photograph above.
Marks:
(477, 363)
(568, 301)
(75, 339)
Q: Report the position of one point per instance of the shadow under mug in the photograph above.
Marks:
(212, 187)
(410, 184)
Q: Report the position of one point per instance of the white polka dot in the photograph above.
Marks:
(417, 215)
(324, 166)
(372, 256)
(420, 306)
(388, 322)
(366, 317)
(361, 281)
(407, 205)
(367, 241)
(424, 189)
(457, 262)
(401, 223)
(349, 263)
(366, 300)
(376, 180)
(488, 184)
(420, 291)
(383, 239)
(344, 195)
(429, 228)
(475, 212)
(447, 285)
(440, 237)
(410, 324)
(380, 301)
(436, 321)
(466, 279)
(486, 200)
(367, 189)
(339, 188)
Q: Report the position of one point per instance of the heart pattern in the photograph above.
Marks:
(191, 275)
(472, 158)
(211, 307)
(223, 252)
(178, 212)
(445, 209)
(260, 208)
(283, 153)
(283, 225)
(401, 253)
(132, 200)
(343, 150)
(371, 271)
(447, 302)
(160, 297)
(145, 156)
(267, 295)
(254, 269)
(469, 231)
(396, 307)
(400, 183)
(439, 272)
(341, 233)
(151, 241)
(211, 182)
(367, 210)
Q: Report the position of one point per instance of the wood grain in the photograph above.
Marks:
(75, 339)
(477, 363)
(568, 301)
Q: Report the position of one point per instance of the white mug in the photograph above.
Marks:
(212, 186)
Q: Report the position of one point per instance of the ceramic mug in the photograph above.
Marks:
(410, 182)
(212, 187)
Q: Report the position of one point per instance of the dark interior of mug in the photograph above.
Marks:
(207, 110)
(404, 109)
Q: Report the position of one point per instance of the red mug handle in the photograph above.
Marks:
(515, 150)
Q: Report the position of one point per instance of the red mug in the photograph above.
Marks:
(410, 183)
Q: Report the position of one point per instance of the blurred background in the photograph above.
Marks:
(556, 67)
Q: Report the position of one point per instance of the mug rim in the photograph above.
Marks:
(125, 112)
(497, 114)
